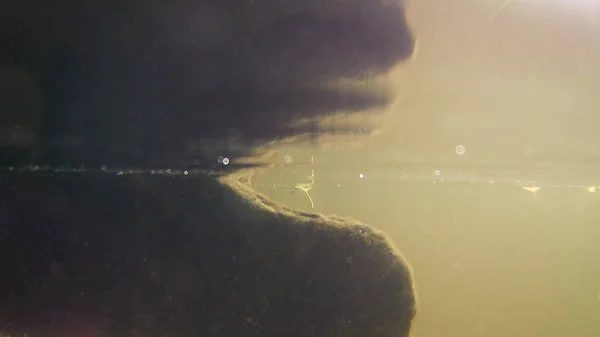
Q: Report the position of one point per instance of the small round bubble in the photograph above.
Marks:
(460, 149)
(225, 161)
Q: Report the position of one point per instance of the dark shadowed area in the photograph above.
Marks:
(138, 82)
(90, 247)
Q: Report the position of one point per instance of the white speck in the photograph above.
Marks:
(152, 172)
(437, 172)
(185, 173)
(225, 161)
(592, 189)
(287, 159)
(168, 171)
(103, 168)
(220, 159)
(361, 176)
(460, 149)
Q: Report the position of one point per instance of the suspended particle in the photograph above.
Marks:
(287, 159)
(532, 189)
(361, 176)
(225, 161)
(437, 172)
(185, 173)
(460, 149)
(220, 159)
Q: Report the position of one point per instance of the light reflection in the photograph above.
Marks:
(531, 189)
(532, 186)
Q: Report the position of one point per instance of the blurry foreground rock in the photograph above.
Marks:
(190, 257)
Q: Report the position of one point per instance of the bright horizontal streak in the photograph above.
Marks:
(583, 3)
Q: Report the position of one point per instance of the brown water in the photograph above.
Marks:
(490, 259)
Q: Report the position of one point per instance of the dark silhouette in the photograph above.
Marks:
(137, 83)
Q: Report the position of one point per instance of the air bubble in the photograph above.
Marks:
(225, 161)
(460, 149)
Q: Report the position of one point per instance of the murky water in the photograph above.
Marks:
(493, 254)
